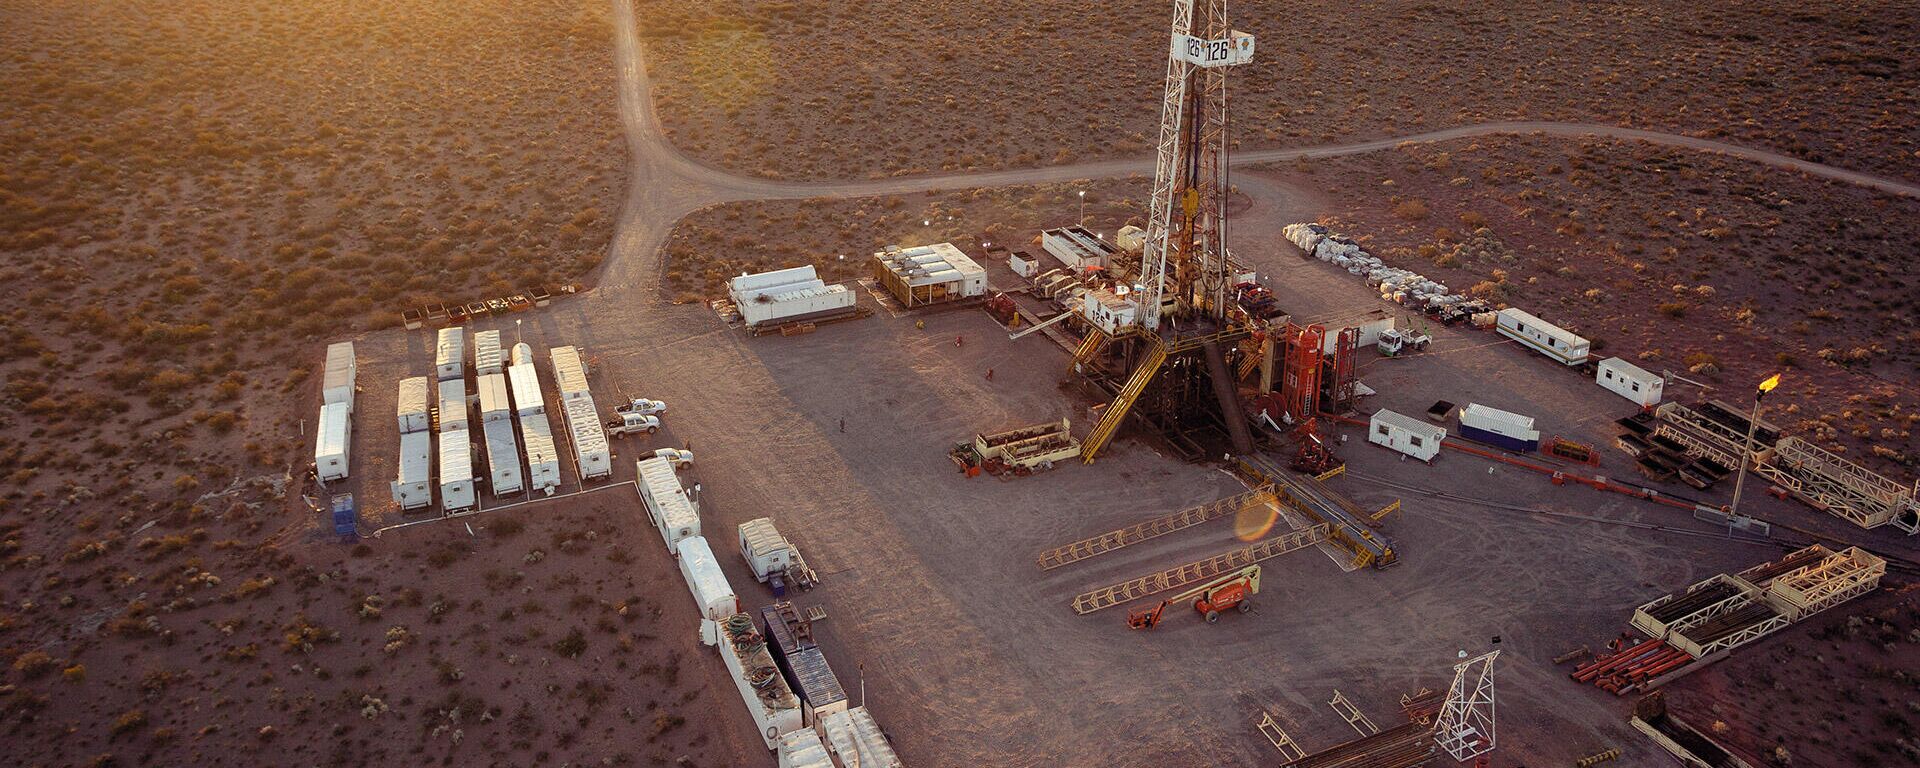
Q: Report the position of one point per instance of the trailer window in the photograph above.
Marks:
(1415, 440)
(1636, 386)
(1384, 432)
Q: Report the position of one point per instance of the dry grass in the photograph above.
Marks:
(898, 86)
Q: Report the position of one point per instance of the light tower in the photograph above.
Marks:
(1465, 725)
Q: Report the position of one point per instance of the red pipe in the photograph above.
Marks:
(1588, 673)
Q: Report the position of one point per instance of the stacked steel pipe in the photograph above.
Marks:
(1620, 672)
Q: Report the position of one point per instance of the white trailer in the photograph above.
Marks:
(768, 553)
(487, 355)
(456, 471)
(1630, 381)
(771, 703)
(1493, 426)
(333, 441)
(453, 405)
(525, 383)
(413, 411)
(569, 372)
(450, 353)
(855, 737)
(503, 458)
(804, 749)
(1543, 337)
(340, 373)
(1369, 326)
(494, 405)
(668, 507)
(590, 451)
(1414, 437)
(711, 592)
(543, 460)
(1077, 248)
(413, 482)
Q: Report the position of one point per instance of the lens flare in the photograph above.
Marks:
(1253, 521)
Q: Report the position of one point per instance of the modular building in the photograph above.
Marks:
(790, 640)
(1629, 381)
(543, 460)
(1543, 337)
(590, 451)
(524, 381)
(569, 372)
(855, 738)
(453, 405)
(449, 354)
(339, 376)
(1077, 248)
(787, 295)
(413, 481)
(494, 405)
(1414, 437)
(803, 749)
(1111, 311)
(488, 357)
(503, 458)
(928, 274)
(705, 580)
(668, 507)
(413, 411)
(774, 708)
(456, 471)
(1493, 426)
(332, 442)
(1368, 327)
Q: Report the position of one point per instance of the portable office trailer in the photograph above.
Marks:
(1493, 426)
(453, 405)
(856, 739)
(774, 708)
(591, 454)
(1414, 437)
(494, 405)
(705, 580)
(340, 373)
(413, 410)
(487, 354)
(543, 460)
(524, 381)
(803, 749)
(768, 553)
(332, 442)
(1543, 337)
(456, 471)
(450, 354)
(413, 482)
(1629, 381)
(503, 458)
(1077, 248)
(569, 372)
(668, 507)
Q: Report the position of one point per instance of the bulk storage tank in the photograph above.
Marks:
(413, 482)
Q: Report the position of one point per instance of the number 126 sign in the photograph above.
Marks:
(1236, 49)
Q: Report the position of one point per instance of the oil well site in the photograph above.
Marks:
(1207, 478)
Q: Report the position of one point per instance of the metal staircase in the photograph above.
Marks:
(1089, 347)
(1117, 411)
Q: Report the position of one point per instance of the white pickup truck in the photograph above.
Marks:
(643, 407)
(679, 458)
(632, 423)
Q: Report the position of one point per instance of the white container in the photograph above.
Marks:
(1629, 381)
(522, 354)
(1077, 248)
(333, 441)
(503, 458)
(1370, 327)
(450, 353)
(711, 592)
(413, 482)
(666, 502)
(456, 471)
(775, 709)
(1493, 426)
(487, 355)
(494, 404)
(818, 300)
(594, 458)
(340, 373)
(856, 739)
(748, 284)
(1022, 267)
(413, 408)
(1413, 437)
(1543, 337)
(767, 551)
(569, 373)
(453, 405)
(524, 380)
(803, 749)
(543, 460)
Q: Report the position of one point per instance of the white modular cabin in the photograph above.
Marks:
(1077, 248)
(711, 592)
(456, 471)
(503, 458)
(413, 412)
(413, 481)
(666, 502)
(569, 372)
(494, 405)
(1413, 437)
(332, 442)
(767, 551)
(340, 374)
(1630, 381)
(524, 381)
(591, 453)
(1493, 426)
(450, 354)
(1543, 337)
(543, 460)
(453, 405)
(488, 357)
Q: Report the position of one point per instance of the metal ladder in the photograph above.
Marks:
(1289, 749)
(1089, 347)
(1148, 529)
(1199, 570)
(1117, 411)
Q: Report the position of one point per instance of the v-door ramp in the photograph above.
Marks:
(1149, 529)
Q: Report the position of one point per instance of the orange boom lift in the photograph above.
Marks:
(1234, 590)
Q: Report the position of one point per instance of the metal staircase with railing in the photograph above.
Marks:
(1116, 412)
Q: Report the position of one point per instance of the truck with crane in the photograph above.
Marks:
(1232, 591)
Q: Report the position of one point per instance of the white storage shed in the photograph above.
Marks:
(453, 405)
(456, 471)
(543, 460)
(666, 502)
(503, 458)
(340, 373)
(413, 481)
(1630, 381)
(332, 442)
(450, 353)
(413, 410)
(705, 580)
(590, 450)
(494, 405)
(1413, 437)
(524, 380)
(488, 357)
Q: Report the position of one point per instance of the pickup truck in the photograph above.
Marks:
(643, 407)
(632, 423)
(681, 459)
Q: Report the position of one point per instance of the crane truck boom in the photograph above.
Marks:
(1234, 590)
